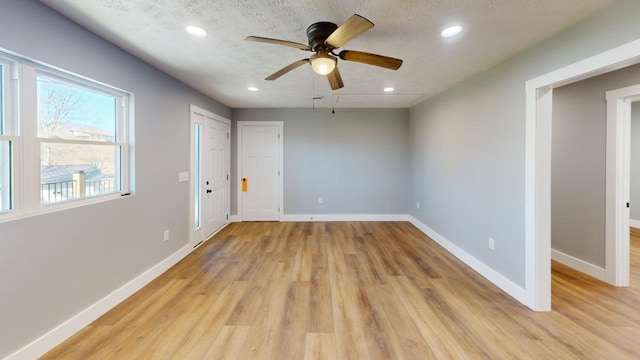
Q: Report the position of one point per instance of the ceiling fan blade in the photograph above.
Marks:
(278, 42)
(335, 80)
(353, 27)
(286, 69)
(371, 59)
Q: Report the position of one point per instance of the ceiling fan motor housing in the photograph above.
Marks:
(318, 33)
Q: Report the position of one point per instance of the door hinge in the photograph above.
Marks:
(227, 135)
(227, 177)
(278, 173)
(627, 205)
(278, 210)
(227, 216)
(278, 136)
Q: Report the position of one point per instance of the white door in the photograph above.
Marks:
(260, 162)
(215, 176)
(210, 186)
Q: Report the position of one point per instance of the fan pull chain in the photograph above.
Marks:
(333, 102)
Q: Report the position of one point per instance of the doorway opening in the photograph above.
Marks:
(590, 163)
(618, 183)
(539, 94)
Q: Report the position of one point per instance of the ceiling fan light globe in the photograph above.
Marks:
(323, 64)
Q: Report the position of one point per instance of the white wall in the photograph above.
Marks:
(578, 164)
(55, 265)
(467, 144)
(355, 159)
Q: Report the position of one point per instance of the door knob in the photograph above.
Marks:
(208, 191)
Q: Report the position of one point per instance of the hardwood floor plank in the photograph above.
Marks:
(383, 340)
(350, 337)
(201, 335)
(401, 325)
(248, 307)
(172, 335)
(320, 346)
(320, 316)
(292, 334)
(354, 290)
(442, 343)
(301, 270)
(264, 334)
(228, 343)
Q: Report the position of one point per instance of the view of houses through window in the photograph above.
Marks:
(77, 127)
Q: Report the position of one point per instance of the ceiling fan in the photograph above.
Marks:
(324, 37)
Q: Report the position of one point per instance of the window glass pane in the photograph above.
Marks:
(72, 171)
(2, 116)
(74, 113)
(5, 175)
(196, 176)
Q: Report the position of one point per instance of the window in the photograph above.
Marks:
(73, 137)
(80, 153)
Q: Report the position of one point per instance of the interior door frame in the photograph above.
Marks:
(196, 235)
(539, 95)
(241, 125)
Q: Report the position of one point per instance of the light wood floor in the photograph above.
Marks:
(353, 290)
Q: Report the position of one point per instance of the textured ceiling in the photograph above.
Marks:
(223, 65)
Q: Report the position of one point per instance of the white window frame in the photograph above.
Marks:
(10, 127)
(22, 123)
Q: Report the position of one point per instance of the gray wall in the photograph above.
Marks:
(466, 161)
(55, 265)
(578, 167)
(356, 160)
(635, 162)
(468, 144)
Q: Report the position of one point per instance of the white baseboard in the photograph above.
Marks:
(508, 286)
(344, 217)
(580, 265)
(65, 330)
(634, 223)
(234, 218)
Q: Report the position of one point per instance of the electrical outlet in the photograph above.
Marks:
(492, 244)
(418, 205)
(320, 200)
(166, 235)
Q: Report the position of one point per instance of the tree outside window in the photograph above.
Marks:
(79, 156)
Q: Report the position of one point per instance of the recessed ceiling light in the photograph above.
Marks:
(388, 89)
(451, 31)
(196, 31)
(252, 88)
